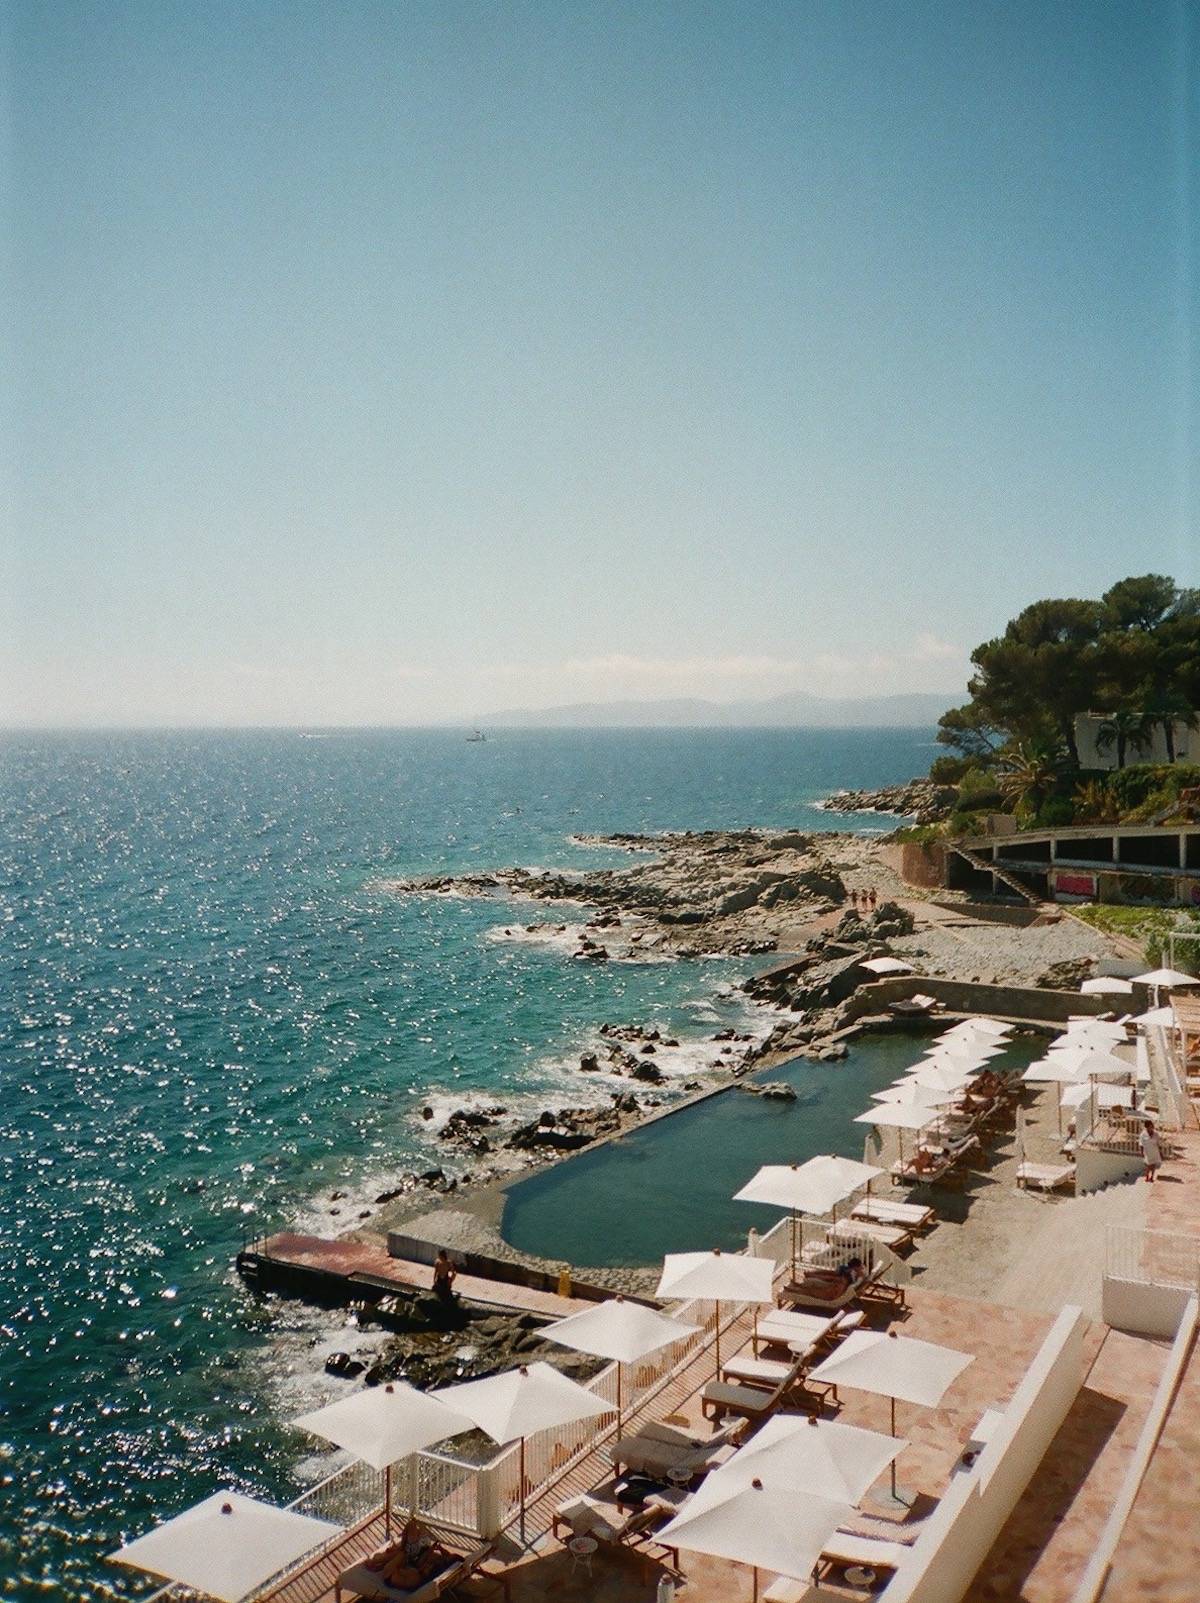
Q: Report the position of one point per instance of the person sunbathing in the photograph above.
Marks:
(830, 1284)
(924, 1161)
(418, 1557)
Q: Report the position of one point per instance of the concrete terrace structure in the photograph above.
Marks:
(1136, 863)
(1060, 1467)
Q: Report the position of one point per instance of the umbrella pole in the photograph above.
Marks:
(522, 1490)
(892, 1400)
(387, 1502)
(718, 1333)
(793, 1243)
(618, 1399)
(755, 1568)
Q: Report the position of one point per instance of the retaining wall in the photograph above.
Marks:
(964, 996)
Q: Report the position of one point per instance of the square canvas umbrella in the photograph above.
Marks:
(888, 965)
(1105, 985)
(227, 1546)
(762, 1527)
(942, 1076)
(899, 1116)
(815, 1187)
(991, 1028)
(816, 1457)
(1164, 979)
(618, 1330)
(914, 1092)
(718, 1276)
(896, 1367)
(520, 1402)
(972, 1055)
(383, 1424)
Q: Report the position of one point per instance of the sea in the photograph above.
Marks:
(215, 1015)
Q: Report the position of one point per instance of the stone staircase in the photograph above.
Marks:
(988, 865)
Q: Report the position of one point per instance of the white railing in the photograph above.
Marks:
(1152, 1257)
(1174, 1104)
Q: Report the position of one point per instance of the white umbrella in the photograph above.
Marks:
(888, 965)
(899, 1116)
(816, 1457)
(1106, 985)
(895, 1367)
(1153, 1016)
(718, 1276)
(815, 1187)
(942, 1077)
(383, 1424)
(1100, 1032)
(1107, 1096)
(226, 1546)
(1067, 1064)
(519, 1403)
(764, 1528)
(974, 1057)
(618, 1330)
(977, 1027)
(912, 1091)
(1165, 978)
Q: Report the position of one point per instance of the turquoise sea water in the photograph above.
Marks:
(213, 1016)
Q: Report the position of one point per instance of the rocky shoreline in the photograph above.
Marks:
(718, 892)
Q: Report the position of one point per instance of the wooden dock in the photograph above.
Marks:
(344, 1270)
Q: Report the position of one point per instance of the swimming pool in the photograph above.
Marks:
(668, 1186)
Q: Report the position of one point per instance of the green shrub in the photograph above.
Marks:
(948, 770)
(924, 833)
(1056, 812)
(979, 789)
(964, 821)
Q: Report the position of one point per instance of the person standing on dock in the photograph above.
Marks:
(444, 1276)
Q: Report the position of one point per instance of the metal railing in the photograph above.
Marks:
(1152, 1257)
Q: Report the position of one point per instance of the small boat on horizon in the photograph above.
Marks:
(474, 738)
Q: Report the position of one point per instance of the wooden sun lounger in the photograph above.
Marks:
(890, 1235)
(843, 1548)
(657, 1448)
(1045, 1176)
(785, 1327)
(361, 1581)
(889, 1212)
(757, 1402)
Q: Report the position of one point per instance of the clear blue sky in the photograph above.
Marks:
(399, 361)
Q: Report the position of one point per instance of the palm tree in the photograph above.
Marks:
(1095, 804)
(1029, 771)
(1124, 729)
(1170, 709)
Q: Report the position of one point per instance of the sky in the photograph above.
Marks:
(395, 363)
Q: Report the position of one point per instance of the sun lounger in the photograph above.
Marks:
(601, 1514)
(914, 1004)
(889, 1212)
(892, 1236)
(869, 1551)
(1046, 1176)
(655, 1449)
(757, 1402)
(363, 1581)
(786, 1327)
(758, 1371)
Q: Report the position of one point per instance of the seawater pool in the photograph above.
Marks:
(668, 1186)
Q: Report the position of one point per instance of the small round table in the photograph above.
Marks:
(860, 1575)
(681, 1475)
(581, 1549)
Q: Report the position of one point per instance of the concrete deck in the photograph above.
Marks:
(345, 1260)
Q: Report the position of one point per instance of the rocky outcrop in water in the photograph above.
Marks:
(714, 891)
(922, 800)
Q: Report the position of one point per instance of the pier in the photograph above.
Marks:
(343, 1270)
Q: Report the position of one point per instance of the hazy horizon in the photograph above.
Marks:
(379, 366)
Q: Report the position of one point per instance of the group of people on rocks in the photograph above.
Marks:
(864, 902)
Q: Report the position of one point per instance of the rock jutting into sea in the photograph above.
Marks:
(922, 800)
(732, 892)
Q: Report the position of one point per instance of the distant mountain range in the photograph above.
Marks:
(796, 710)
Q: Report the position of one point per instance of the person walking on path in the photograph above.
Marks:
(1151, 1151)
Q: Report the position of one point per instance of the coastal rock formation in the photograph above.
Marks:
(440, 1345)
(714, 891)
(922, 800)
